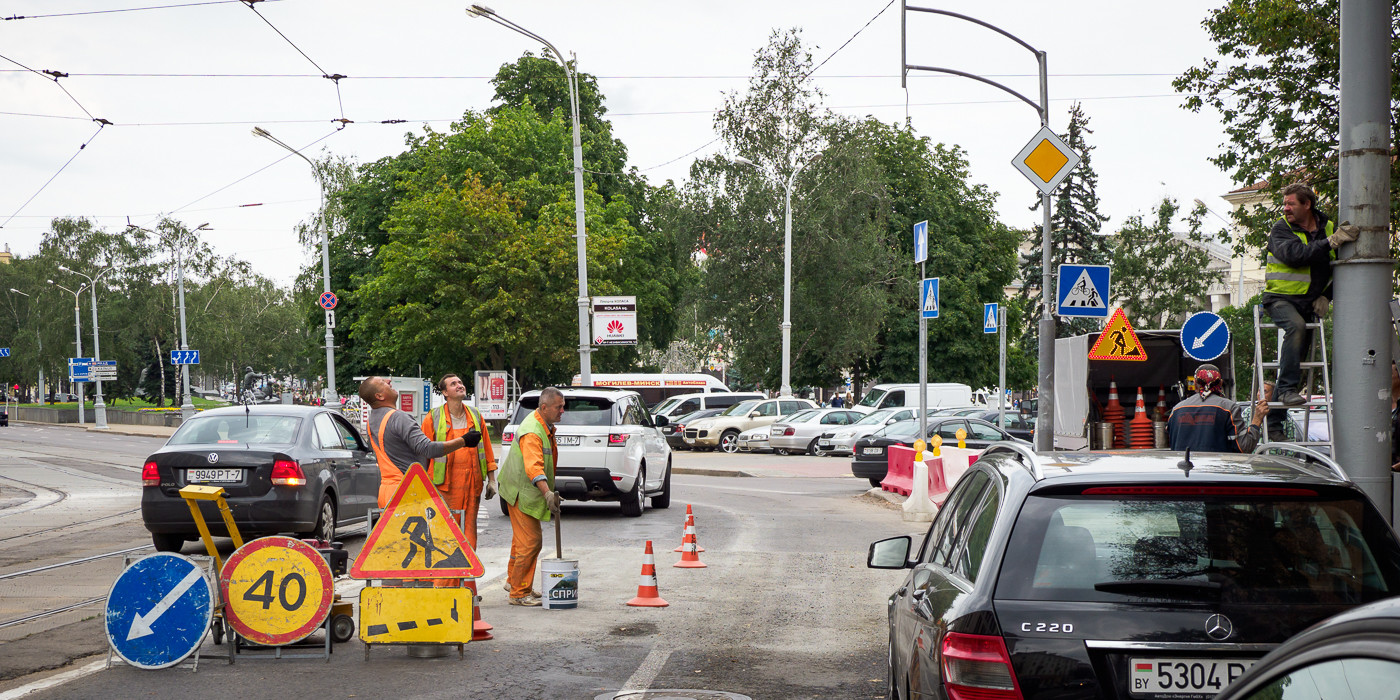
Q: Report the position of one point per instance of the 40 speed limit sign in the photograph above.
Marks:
(276, 590)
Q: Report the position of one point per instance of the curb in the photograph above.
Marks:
(698, 471)
(84, 427)
(890, 496)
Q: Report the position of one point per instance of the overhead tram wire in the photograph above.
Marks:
(66, 163)
(334, 78)
(125, 9)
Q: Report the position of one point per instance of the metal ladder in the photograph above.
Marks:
(1309, 367)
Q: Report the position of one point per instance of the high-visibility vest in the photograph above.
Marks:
(1292, 281)
(438, 467)
(516, 488)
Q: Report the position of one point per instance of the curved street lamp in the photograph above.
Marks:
(77, 341)
(98, 407)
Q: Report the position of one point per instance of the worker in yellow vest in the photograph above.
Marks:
(527, 488)
(396, 439)
(461, 476)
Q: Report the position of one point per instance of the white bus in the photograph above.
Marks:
(655, 388)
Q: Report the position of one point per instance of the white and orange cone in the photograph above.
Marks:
(481, 630)
(647, 595)
(690, 523)
(690, 559)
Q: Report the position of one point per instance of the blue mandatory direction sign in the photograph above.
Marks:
(989, 318)
(928, 298)
(1205, 336)
(1083, 291)
(158, 611)
(4, 352)
(184, 357)
(920, 241)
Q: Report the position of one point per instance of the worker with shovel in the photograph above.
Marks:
(527, 489)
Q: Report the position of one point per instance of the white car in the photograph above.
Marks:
(801, 432)
(610, 448)
(841, 440)
(753, 440)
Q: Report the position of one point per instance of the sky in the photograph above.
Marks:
(183, 86)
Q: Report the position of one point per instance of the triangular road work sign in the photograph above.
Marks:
(1117, 341)
(416, 537)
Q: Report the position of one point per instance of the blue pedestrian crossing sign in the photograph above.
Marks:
(184, 357)
(928, 298)
(989, 318)
(920, 242)
(158, 611)
(1083, 291)
(1205, 336)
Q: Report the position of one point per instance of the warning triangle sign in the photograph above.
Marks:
(1118, 341)
(1084, 295)
(416, 537)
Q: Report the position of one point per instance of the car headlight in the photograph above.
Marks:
(844, 435)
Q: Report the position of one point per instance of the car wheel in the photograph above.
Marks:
(782, 451)
(325, 521)
(663, 500)
(816, 450)
(167, 542)
(875, 482)
(729, 441)
(635, 501)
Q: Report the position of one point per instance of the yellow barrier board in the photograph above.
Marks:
(423, 615)
(416, 537)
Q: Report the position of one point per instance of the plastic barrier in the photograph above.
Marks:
(899, 474)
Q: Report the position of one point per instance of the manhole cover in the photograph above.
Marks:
(671, 694)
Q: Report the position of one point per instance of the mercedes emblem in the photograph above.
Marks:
(214, 459)
(1219, 627)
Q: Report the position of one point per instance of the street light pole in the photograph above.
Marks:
(78, 341)
(330, 394)
(40, 339)
(186, 408)
(786, 388)
(98, 407)
(584, 347)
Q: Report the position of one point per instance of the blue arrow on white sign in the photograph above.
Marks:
(1205, 336)
(989, 318)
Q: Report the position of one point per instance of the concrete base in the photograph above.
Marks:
(918, 517)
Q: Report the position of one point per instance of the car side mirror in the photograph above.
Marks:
(892, 553)
(661, 421)
(754, 414)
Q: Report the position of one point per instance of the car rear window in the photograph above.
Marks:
(902, 429)
(875, 417)
(1269, 547)
(578, 410)
(237, 430)
(800, 417)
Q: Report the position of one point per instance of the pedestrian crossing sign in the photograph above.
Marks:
(1118, 341)
(989, 318)
(928, 298)
(416, 537)
(1083, 291)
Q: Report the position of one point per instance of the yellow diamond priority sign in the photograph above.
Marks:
(1046, 160)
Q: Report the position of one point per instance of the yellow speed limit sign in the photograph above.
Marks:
(276, 590)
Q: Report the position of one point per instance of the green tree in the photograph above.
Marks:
(1161, 276)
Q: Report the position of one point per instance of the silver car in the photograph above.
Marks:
(801, 432)
(753, 440)
(841, 440)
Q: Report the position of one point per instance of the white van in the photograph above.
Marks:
(681, 404)
(902, 395)
(655, 388)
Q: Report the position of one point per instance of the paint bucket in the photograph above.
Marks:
(1103, 432)
(560, 580)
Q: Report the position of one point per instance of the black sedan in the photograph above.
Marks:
(870, 453)
(1020, 426)
(675, 432)
(299, 469)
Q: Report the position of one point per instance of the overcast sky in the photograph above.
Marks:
(183, 87)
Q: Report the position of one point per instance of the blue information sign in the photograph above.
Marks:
(920, 241)
(184, 357)
(1205, 336)
(928, 298)
(4, 352)
(1083, 291)
(989, 318)
(80, 369)
(159, 610)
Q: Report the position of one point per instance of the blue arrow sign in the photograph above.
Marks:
(158, 611)
(920, 242)
(928, 298)
(989, 318)
(1205, 336)
(1083, 291)
(4, 352)
(184, 357)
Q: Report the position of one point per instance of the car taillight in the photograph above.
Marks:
(978, 667)
(508, 436)
(679, 427)
(1195, 491)
(287, 473)
(617, 438)
(150, 476)
(789, 431)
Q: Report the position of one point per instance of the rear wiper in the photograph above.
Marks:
(1159, 586)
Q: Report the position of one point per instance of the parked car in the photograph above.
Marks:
(1085, 575)
(840, 441)
(802, 431)
(870, 454)
(754, 440)
(610, 448)
(4, 418)
(681, 404)
(1351, 656)
(907, 396)
(675, 431)
(298, 469)
(1019, 426)
(723, 430)
(961, 411)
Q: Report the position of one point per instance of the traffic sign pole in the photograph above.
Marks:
(1001, 372)
(923, 359)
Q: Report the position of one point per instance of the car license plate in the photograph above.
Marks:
(824, 443)
(1173, 677)
(567, 440)
(209, 476)
(872, 451)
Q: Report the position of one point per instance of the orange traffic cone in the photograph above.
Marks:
(690, 522)
(1113, 413)
(647, 595)
(1140, 427)
(481, 630)
(690, 559)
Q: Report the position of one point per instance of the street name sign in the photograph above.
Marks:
(1118, 341)
(1046, 160)
(416, 537)
(103, 370)
(158, 611)
(928, 298)
(920, 242)
(989, 318)
(184, 357)
(614, 320)
(1083, 291)
(1205, 336)
(276, 590)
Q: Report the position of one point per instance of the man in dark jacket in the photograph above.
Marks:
(1208, 422)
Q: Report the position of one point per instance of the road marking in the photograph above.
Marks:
(646, 673)
(740, 488)
(54, 681)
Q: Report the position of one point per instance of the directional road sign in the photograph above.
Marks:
(928, 298)
(158, 611)
(80, 369)
(920, 241)
(1046, 161)
(4, 352)
(328, 300)
(989, 318)
(1083, 291)
(416, 537)
(1205, 336)
(103, 370)
(184, 357)
(276, 590)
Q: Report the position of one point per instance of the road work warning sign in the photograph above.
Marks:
(1118, 341)
(416, 537)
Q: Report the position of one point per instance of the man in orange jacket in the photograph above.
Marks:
(461, 476)
(397, 441)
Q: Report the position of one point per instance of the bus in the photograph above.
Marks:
(656, 388)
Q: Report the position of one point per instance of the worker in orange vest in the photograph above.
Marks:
(461, 476)
(397, 441)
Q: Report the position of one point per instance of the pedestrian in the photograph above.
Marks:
(397, 441)
(1298, 284)
(462, 476)
(837, 401)
(527, 489)
(1206, 421)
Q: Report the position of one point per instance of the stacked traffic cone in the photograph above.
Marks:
(1161, 413)
(690, 522)
(647, 595)
(1113, 413)
(481, 630)
(1141, 426)
(690, 559)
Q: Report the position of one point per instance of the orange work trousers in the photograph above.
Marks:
(462, 491)
(525, 543)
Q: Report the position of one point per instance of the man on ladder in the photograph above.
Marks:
(1298, 285)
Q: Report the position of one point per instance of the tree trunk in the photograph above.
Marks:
(161, 401)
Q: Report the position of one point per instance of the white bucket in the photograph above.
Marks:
(560, 580)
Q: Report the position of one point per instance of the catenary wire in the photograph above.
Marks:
(61, 168)
(126, 9)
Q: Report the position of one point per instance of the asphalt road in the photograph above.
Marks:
(784, 609)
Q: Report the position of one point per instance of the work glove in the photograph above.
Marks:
(491, 487)
(551, 499)
(1345, 233)
(1320, 306)
(472, 438)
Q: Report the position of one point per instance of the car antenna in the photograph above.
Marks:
(1185, 464)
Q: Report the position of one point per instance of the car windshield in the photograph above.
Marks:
(875, 417)
(694, 415)
(237, 430)
(578, 410)
(902, 429)
(872, 399)
(666, 405)
(1233, 547)
(800, 417)
(740, 409)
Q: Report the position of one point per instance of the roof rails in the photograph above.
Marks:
(1304, 454)
(1025, 455)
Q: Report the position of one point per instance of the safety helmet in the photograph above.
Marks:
(1208, 380)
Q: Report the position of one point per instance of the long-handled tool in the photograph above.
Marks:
(558, 542)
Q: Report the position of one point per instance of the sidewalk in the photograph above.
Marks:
(112, 428)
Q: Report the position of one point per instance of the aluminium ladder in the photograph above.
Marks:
(1309, 368)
